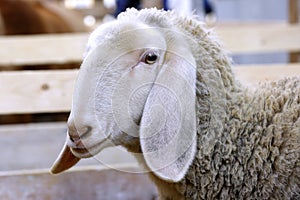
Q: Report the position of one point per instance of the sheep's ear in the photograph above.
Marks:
(168, 124)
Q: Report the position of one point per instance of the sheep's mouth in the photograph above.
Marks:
(87, 152)
(70, 155)
(80, 151)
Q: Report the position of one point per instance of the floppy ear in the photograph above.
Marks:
(168, 124)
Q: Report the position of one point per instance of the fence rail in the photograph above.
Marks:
(260, 38)
(42, 49)
(64, 48)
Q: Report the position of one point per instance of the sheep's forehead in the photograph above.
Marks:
(127, 36)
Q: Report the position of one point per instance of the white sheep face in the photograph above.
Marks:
(136, 88)
(111, 71)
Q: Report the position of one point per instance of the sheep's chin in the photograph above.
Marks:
(91, 151)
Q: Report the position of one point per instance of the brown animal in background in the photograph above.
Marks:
(18, 17)
(36, 17)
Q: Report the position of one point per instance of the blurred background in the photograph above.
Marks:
(42, 44)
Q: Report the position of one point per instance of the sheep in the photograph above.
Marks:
(160, 85)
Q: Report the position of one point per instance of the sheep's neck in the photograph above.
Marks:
(238, 162)
(201, 172)
(210, 140)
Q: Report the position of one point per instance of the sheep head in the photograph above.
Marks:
(135, 88)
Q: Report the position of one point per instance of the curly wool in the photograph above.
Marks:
(256, 155)
(248, 142)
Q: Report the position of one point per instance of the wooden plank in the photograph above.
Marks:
(37, 145)
(293, 19)
(42, 49)
(253, 74)
(51, 91)
(64, 48)
(260, 38)
(36, 91)
(86, 183)
(293, 11)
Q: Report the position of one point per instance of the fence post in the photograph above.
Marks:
(293, 19)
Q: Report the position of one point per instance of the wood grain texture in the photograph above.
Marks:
(253, 74)
(86, 183)
(260, 38)
(65, 48)
(36, 91)
(42, 49)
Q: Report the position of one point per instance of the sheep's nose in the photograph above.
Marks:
(76, 136)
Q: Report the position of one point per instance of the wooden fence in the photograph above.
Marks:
(50, 91)
(35, 146)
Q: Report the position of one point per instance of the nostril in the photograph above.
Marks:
(71, 139)
(75, 135)
(85, 132)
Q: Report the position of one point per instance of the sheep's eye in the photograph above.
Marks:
(150, 58)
